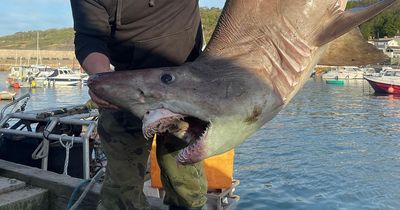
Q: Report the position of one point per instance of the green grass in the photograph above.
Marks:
(209, 18)
(52, 39)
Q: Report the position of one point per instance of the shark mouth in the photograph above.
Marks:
(190, 129)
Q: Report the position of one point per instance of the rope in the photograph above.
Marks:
(75, 192)
(91, 182)
(46, 132)
(41, 151)
(67, 147)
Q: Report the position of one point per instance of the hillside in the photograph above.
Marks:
(62, 39)
(209, 18)
(52, 39)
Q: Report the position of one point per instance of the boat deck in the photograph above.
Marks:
(59, 186)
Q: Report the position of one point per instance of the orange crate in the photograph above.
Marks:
(218, 169)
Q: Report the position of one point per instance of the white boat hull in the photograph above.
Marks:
(63, 83)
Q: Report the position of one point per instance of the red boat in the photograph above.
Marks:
(388, 82)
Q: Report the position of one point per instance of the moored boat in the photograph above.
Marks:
(7, 95)
(64, 77)
(388, 82)
(28, 76)
(335, 82)
(344, 72)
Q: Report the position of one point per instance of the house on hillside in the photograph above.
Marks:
(394, 53)
(390, 46)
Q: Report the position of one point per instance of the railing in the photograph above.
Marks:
(20, 123)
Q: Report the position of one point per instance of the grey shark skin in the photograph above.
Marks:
(259, 56)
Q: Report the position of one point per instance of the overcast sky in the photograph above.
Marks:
(27, 15)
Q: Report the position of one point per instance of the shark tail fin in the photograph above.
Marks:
(347, 20)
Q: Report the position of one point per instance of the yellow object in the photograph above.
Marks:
(33, 83)
(91, 104)
(218, 169)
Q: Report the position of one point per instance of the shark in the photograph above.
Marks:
(260, 55)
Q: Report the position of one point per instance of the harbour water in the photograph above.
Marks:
(333, 147)
(42, 98)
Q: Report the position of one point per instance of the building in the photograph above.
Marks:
(390, 46)
(394, 53)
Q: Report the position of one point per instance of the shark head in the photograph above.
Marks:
(260, 55)
(193, 102)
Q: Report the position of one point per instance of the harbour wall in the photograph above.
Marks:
(51, 58)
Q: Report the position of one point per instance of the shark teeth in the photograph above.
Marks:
(196, 150)
(192, 130)
(165, 125)
(161, 121)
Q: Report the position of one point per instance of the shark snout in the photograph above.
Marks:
(93, 79)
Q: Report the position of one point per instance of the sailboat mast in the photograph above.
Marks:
(37, 48)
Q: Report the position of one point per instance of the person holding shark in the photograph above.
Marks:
(259, 57)
(137, 34)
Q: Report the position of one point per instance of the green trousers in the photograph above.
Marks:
(127, 154)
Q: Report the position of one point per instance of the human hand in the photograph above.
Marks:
(101, 102)
(97, 63)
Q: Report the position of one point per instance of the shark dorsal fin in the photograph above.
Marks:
(349, 19)
(351, 49)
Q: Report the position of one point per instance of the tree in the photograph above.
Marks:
(385, 24)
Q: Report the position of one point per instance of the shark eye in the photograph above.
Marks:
(167, 79)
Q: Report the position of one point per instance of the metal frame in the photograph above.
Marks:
(217, 199)
(47, 136)
(226, 197)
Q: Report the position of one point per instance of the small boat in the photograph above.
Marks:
(388, 82)
(368, 71)
(28, 76)
(7, 95)
(344, 72)
(335, 82)
(64, 77)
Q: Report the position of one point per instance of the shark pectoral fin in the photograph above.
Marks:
(351, 49)
(347, 20)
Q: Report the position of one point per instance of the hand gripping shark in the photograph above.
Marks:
(260, 55)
